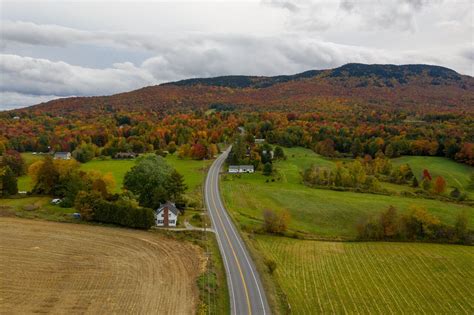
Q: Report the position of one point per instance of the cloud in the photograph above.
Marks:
(19, 32)
(12, 100)
(32, 76)
(317, 15)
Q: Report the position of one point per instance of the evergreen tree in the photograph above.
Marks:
(9, 182)
(175, 186)
(279, 154)
(267, 169)
(415, 183)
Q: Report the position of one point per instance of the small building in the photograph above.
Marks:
(62, 155)
(56, 201)
(259, 141)
(167, 215)
(241, 169)
(125, 155)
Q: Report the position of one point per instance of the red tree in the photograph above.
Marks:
(198, 151)
(426, 175)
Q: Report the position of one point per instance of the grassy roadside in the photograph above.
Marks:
(212, 283)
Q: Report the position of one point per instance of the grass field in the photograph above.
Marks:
(323, 213)
(35, 208)
(193, 171)
(62, 268)
(456, 174)
(372, 278)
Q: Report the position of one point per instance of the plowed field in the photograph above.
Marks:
(48, 267)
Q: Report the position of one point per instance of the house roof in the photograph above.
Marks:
(61, 153)
(126, 154)
(171, 207)
(236, 167)
(246, 166)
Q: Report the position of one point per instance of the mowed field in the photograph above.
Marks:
(456, 174)
(323, 213)
(61, 268)
(372, 278)
(193, 171)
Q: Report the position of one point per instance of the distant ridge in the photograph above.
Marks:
(396, 86)
(380, 71)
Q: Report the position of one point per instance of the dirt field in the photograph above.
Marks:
(60, 268)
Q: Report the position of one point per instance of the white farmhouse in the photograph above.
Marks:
(167, 215)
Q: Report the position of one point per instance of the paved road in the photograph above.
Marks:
(245, 288)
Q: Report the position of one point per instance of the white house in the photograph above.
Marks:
(241, 169)
(167, 214)
(62, 155)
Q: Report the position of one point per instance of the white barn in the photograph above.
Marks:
(241, 169)
(167, 215)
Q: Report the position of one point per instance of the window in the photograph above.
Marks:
(160, 221)
(171, 221)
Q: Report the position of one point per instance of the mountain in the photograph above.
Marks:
(405, 86)
(402, 74)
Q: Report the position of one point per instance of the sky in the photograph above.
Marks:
(52, 49)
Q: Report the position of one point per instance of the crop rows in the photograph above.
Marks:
(372, 278)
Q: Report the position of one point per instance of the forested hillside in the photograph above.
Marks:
(352, 110)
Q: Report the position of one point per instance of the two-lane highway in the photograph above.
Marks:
(245, 288)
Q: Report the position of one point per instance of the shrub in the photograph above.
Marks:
(275, 222)
(271, 265)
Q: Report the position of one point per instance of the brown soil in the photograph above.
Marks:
(48, 267)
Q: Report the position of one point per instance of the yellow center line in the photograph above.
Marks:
(233, 251)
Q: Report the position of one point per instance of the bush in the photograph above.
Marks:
(275, 222)
(418, 224)
(271, 265)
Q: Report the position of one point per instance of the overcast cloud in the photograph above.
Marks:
(62, 49)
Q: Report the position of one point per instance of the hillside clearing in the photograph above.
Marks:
(372, 278)
(70, 268)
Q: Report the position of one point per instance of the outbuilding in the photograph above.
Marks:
(241, 169)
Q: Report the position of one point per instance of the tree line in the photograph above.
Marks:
(415, 225)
